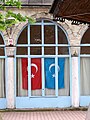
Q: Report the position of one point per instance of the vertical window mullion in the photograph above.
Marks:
(56, 61)
(29, 64)
(43, 73)
(70, 64)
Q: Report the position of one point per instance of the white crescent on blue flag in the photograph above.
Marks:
(50, 73)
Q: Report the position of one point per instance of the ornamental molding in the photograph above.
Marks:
(10, 51)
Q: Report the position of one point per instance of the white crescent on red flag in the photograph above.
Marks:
(36, 79)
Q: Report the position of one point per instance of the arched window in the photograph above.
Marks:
(2, 68)
(85, 67)
(2, 73)
(42, 61)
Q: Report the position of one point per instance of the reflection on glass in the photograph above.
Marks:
(2, 52)
(1, 40)
(63, 50)
(35, 50)
(49, 34)
(86, 37)
(22, 51)
(49, 50)
(85, 50)
(35, 34)
(23, 38)
(62, 39)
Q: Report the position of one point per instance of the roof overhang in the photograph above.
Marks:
(78, 10)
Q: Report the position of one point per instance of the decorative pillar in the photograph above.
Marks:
(75, 82)
(10, 78)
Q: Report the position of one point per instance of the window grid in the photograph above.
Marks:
(43, 56)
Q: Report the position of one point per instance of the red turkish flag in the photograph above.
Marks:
(24, 73)
(36, 81)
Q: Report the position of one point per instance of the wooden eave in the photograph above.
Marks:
(72, 9)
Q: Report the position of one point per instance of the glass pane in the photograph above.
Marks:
(62, 39)
(1, 40)
(21, 77)
(63, 50)
(22, 51)
(86, 37)
(49, 34)
(85, 76)
(35, 34)
(35, 50)
(23, 38)
(36, 79)
(2, 79)
(49, 50)
(63, 77)
(49, 76)
(2, 53)
(85, 50)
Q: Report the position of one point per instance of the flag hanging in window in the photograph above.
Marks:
(36, 81)
(61, 65)
(50, 73)
(24, 62)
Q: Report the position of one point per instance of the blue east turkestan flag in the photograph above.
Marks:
(50, 73)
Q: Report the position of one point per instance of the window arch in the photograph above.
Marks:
(43, 47)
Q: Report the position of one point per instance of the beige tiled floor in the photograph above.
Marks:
(45, 115)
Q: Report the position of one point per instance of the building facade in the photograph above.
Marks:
(48, 64)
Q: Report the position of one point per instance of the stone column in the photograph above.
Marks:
(10, 78)
(75, 82)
